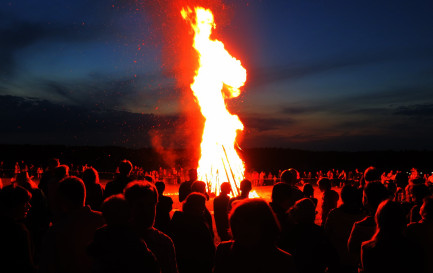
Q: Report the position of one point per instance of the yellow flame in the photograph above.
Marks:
(217, 69)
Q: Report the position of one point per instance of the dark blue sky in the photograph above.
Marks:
(321, 75)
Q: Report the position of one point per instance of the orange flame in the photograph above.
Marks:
(219, 161)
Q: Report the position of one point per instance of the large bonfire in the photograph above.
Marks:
(218, 77)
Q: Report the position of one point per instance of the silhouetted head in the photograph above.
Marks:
(61, 172)
(142, 198)
(290, 176)
(226, 188)
(390, 219)
(419, 192)
(90, 176)
(125, 167)
(160, 186)
(245, 186)
(14, 202)
(324, 184)
(371, 174)
(192, 173)
(303, 211)
(148, 178)
(374, 194)
(426, 210)
(195, 204)
(25, 181)
(401, 180)
(115, 210)
(253, 223)
(198, 186)
(351, 196)
(282, 195)
(308, 190)
(53, 163)
(72, 193)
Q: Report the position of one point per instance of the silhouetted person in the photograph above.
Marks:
(200, 187)
(38, 217)
(291, 177)
(116, 247)
(245, 188)
(64, 247)
(142, 198)
(371, 174)
(374, 194)
(339, 224)
(59, 173)
(281, 202)
(185, 187)
(192, 236)
(119, 183)
(15, 241)
(308, 192)
(48, 174)
(94, 192)
(163, 208)
(221, 214)
(329, 198)
(419, 192)
(253, 249)
(421, 234)
(307, 242)
(389, 250)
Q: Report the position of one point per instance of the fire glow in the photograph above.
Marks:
(218, 77)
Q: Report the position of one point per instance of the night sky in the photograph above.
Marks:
(321, 75)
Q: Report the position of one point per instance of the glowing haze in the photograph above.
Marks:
(218, 77)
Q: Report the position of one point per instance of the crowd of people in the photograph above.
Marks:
(68, 223)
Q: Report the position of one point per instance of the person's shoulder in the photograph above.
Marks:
(367, 221)
(368, 245)
(225, 246)
(160, 236)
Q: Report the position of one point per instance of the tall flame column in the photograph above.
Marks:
(219, 161)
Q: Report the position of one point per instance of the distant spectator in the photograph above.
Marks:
(307, 242)
(245, 187)
(200, 187)
(192, 236)
(15, 243)
(374, 194)
(38, 218)
(142, 198)
(339, 225)
(65, 245)
(48, 174)
(329, 198)
(281, 202)
(185, 187)
(119, 183)
(291, 177)
(59, 173)
(308, 191)
(253, 249)
(116, 247)
(221, 214)
(389, 250)
(163, 208)
(419, 192)
(421, 234)
(94, 192)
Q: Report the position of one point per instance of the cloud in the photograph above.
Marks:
(418, 110)
(259, 76)
(41, 120)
